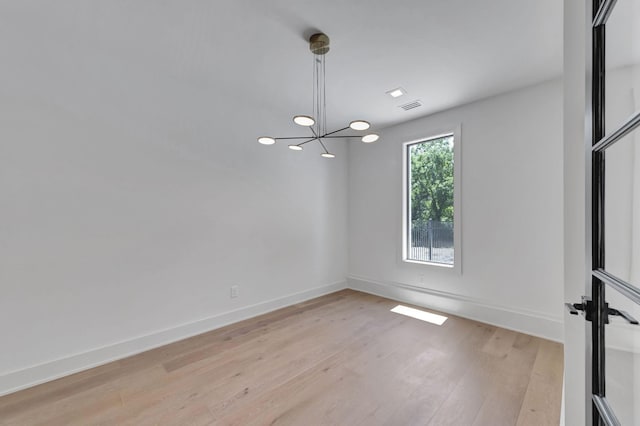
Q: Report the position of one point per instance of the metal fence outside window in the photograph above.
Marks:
(431, 241)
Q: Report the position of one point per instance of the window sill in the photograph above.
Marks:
(421, 262)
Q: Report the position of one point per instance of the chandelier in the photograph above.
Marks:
(317, 123)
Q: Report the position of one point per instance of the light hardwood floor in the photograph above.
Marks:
(341, 359)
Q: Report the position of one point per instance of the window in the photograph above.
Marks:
(430, 198)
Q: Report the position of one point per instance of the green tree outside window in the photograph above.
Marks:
(432, 180)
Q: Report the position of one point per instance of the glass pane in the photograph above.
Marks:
(622, 209)
(622, 357)
(430, 168)
(622, 64)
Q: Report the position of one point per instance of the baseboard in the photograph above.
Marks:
(529, 322)
(31, 376)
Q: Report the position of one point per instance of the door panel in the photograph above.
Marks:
(622, 46)
(615, 299)
(622, 209)
(622, 357)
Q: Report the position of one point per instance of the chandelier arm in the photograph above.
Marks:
(295, 137)
(340, 137)
(307, 141)
(335, 131)
(324, 147)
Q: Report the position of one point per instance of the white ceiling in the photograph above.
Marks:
(161, 63)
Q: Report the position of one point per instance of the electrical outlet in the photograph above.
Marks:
(234, 291)
(421, 278)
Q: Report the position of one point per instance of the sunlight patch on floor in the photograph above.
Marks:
(418, 314)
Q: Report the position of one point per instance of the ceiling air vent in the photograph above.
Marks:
(411, 105)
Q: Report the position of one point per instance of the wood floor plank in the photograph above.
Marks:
(541, 405)
(505, 395)
(313, 379)
(57, 389)
(249, 329)
(225, 379)
(344, 358)
(238, 376)
(447, 367)
(500, 343)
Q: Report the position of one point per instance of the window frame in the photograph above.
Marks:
(456, 132)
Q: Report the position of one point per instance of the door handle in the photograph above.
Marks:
(587, 307)
(573, 309)
(623, 314)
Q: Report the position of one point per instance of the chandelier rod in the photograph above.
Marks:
(294, 137)
(323, 147)
(326, 135)
(339, 137)
(335, 131)
(324, 95)
(310, 140)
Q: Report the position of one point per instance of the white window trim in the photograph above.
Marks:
(457, 198)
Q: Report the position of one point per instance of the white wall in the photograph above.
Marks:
(130, 201)
(512, 213)
(576, 270)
